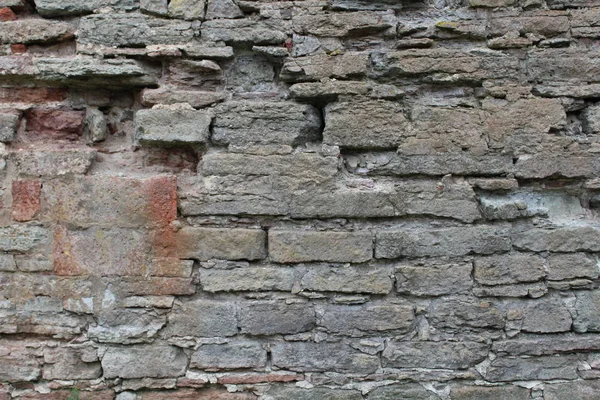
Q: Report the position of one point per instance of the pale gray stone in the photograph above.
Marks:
(9, 123)
(56, 8)
(196, 99)
(587, 311)
(203, 318)
(505, 392)
(581, 390)
(564, 239)
(232, 355)
(504, 369)
(434, 279)
(323, 278)
(301, 246)
(95, 127)
(508, 269)
(412, 391)
(228, 244)
(323, 356)
(464, 313)
(537, 345)
(144, 361)
(22, 238)
(243, 31)
(356, 320)
(223, 9)
(452, 355)
(270, 318)
(253, 279)
(317, 67)
(571, 266)
(30, 31)
(287, 392)
(172, 126)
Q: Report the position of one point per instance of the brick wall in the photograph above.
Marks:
(312, 199)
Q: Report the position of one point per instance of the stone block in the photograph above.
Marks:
(172, 126)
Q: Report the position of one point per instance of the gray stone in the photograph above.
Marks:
(356, 320)
(590, 119)
(506, 392)
(301, 246)
(562, 65)
(228, 244)
(126, 326)
(441, 242)
(587, 311)
(23, 238)
(350, 203)
(434, 279)
(144, 361)
(9, 123)
(444, 66)
(571, 266)
(200, 51)
(328, 89)
(538, 345)
(240, 31)
(323, 278)
(67, 363)
(343, 24)
(369, 124)
(172, 126)
(452, 355)
(251, 122)
(196, 99)
(412, 391)
(508, 269)
(504, 369)
(223, 9)
(317, 67)
(323, 356)
(464, 313)
(253, 279)
(30, 31)
(158, 7)
(581, 390)
(530, 289)
(203, 318)
(56, 8)
(95, 127)
(232, 355)
(566, 239)
(544, 315)
(287, 392)
(132, 30)
(442, 164)
(7, 262)
(186, 9)
(270, 318)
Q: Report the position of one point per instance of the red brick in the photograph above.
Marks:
(55, 123)
(6, 14)
(32, 95)
(26, 200)
(18, 48)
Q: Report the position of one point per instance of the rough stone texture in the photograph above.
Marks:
(263, 199)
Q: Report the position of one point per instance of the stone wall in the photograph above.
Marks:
(313, 199)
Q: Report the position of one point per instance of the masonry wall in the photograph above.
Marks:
(338, 200)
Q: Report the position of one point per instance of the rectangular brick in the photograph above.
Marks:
(451, 355)
(357, 320)
(323, 278)
(252, 279)
(324, 356)
(457, 241)
(567, 239)
(221, 243)
(172, 126)
(232, 355)
(26, 196)
(269, 318)
(203, 318)
(302, 246)
(434, 279)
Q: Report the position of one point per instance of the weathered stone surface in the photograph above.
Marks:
(343, 24)
(203, 318)
(254, 279)
(317, 67)
(132, 30)
(454, 355)
(172, 126)
(251, 122)
(441, 242)
(463, 313)
(587, 311)
(302, 246)
(186, 9)
(307, 356)
(228, 244)
(545, 65)
(53, 8)
(508, 269)
(507, 392)
(434, 279)
(30, 31)
(584, 390)
(22, 238)
(444, 65)
(53, 162)
(243, 31)
(71, 364)
(408, 390)
(355, 125)
(26, 197)
(276, 318)
(547, 367)
(545, 315)
(572, 266)
(281, 393)
(355, 320)
(324, 278)
(223, 9)
(538, 345)
(567, 239)
(144, 361)
(9, 122)
(196, 99)
(232, 355)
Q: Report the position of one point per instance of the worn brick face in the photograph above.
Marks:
(26, 200)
